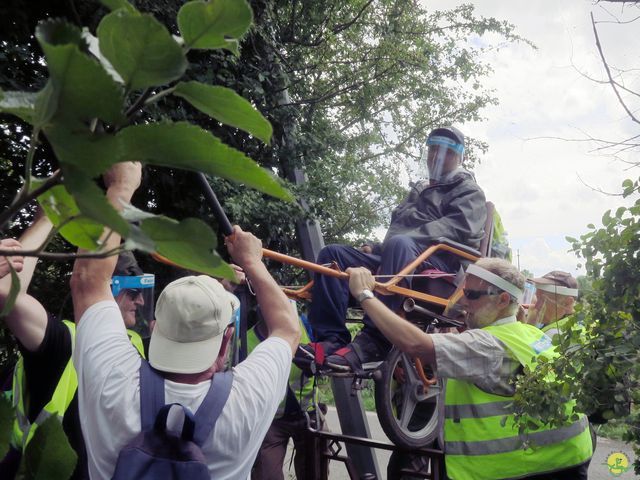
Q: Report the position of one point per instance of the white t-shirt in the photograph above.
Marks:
(109, 396)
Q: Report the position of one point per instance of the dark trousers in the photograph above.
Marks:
(580, 472)
(270, 459)
(331, 295)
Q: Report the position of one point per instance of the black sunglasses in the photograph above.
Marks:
(133, 293)
(476, 294)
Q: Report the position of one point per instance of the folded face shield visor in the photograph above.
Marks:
(546, 306)
(460, 304)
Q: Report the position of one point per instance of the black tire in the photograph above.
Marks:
(419, 427)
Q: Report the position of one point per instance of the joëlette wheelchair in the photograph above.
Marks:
(407, 393)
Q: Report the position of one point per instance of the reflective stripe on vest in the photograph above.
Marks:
(481, 441)
(300, 385)
(63, 394)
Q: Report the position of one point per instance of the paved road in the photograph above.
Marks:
(598, 469)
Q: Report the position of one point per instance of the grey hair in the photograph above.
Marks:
(507, 271)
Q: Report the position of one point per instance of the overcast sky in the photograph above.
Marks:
(540, 185)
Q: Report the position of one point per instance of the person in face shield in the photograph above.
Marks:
(448, 204)
(44, 381)
(555, 297)
(480, 366)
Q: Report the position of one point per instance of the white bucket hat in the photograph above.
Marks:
(192, 313)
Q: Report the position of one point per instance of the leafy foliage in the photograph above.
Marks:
(6, 424)
(227, 106)
(599, 368)
(350, 90)
(141, 49)
(214, 24)
(48, 455)
(82, 108)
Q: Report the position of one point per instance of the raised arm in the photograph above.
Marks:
(91, 276)
(28, 318)
(279, 316)
(407, 337)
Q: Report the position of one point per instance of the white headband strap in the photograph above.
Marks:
(495, 280)
(557, 289)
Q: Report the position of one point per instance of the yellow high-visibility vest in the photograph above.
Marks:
(23, 429)
(480, 444)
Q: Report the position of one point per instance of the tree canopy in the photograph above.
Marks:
(245, 93)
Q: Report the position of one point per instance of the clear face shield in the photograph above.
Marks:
(441, 156)
(135, 297)
(465, 303)
(547, 304)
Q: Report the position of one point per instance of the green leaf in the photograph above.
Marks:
(138, 240)
(46, 105)
(116, 4)
(141, 49)
(226, 106)
(215, 24)
(49, 455)
(20, 104)
(92, 154)
(133, 214)
(62, 209)
(13, 293)
(82, 89)
(7, 416)
(92, 202)
(189, 243)
(182, 145)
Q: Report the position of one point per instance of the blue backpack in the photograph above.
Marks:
(155, 453)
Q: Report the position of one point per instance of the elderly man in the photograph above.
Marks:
(556, 294)
(480, 366)
(188, 346)
(44, 381)
(449, 205)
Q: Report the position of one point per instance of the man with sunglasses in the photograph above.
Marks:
(44, 381)
(449, 205)
(480, 366)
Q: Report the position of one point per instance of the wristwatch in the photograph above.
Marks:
(364, 295)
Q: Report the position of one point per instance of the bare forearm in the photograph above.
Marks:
(279, 315)
(31, 239)
(90, 278)
(407, 337)
(98, 269)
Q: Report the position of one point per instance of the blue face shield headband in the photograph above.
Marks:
(446, 142)
(130, 282)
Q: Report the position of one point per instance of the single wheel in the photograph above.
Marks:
(408, 412)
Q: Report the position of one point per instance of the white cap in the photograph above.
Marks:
(192, 313)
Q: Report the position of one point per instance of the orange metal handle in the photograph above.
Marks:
(297, 262)
(427, 383)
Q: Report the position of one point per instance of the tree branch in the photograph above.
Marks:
(343, 26)
(58, 257)
(8, 214)
(606, 67)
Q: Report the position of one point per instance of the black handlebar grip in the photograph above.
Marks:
(212, 200)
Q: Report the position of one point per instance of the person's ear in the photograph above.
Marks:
(224, 347)
(504, 299)
(569, 302)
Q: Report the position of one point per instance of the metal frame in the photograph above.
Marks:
(328, 447)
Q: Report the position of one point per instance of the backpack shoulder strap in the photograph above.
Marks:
(151, 395)
(212, 405)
